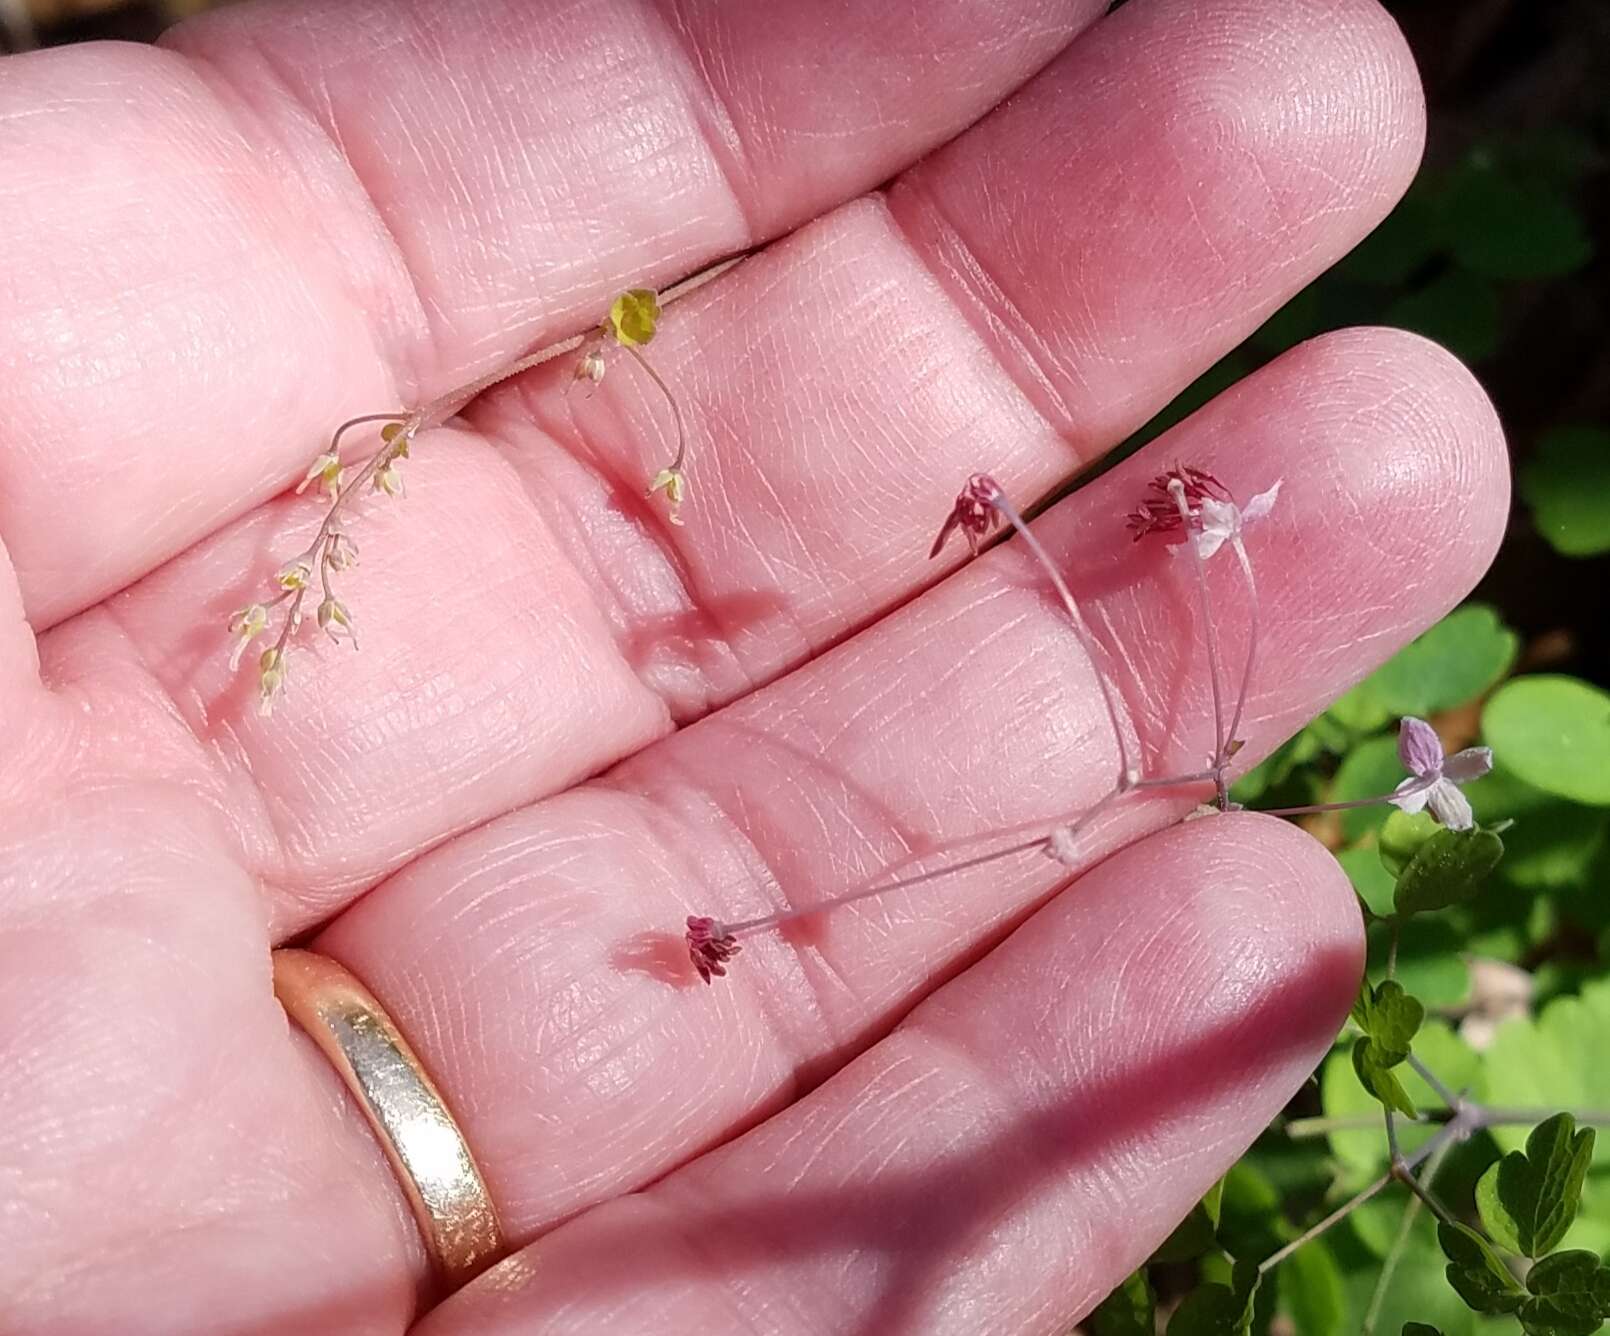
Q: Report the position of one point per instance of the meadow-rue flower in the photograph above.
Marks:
(1435, 777)
(974, 513)
(710, 946)
(389, 479)
(1158, 512)
(634, 317)
(294, 575)
(335, 621)
(1221, 521)
(245, 626)
(270, 680)
(340, 552)
(327, 471)
(674, 483)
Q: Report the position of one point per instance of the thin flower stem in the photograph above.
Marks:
(1082, 632)
(1301, 1129)
(1389, 1266)
(1329, 807)
(1308, 1235)
(1177, 781)
(676, 412)
(1176, 489)
(1425, 1073)
(748, 927)
(1040, 843)
(444, 406)
(1245, 563)
(1392, 948)
(1404, 1175)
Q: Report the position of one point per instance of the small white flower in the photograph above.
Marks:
(674, 483)
(335, 621)
(1062, 846)
(388, 478)
(1222, 521)
(294, 574)
(1434, 778)
(245, 626)
(270, 680)
(327, 470)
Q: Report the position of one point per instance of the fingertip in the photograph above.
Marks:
(1437, 466)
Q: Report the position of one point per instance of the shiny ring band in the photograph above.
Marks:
(420, 1138)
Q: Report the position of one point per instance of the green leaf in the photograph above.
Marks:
(1311, 1290)
(1374, 884)
(1447, 869)
(1218, 1310)
(1387, 1014)
(1571, 1295)
(1130, 1310)
(1362, 1151)
(1552, 843)
(1401, 838)
(1451, 664)
(1553, 732)
(1529, 1198)
(1195, 1234)
(1476, 1272)
(1373, 1066)
(1500, 228)
(1459, 309)
(1390, 256)
(1559, 1059)
(1567, 484)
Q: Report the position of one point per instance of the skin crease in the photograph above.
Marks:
(570, 725)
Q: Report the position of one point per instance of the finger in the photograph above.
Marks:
(174, 1158)
(536, 960)
(830, 435)
(219, 250)
(1016, 1147)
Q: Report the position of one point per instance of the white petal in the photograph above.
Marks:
(1450, 806)
(1208, 542)
(1472, 763)
(1411, 796)
(1261, 504)
(1419, 748)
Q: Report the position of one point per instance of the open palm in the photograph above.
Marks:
(571, 725)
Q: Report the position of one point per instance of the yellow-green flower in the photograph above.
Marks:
(634, 316)
(674, 483)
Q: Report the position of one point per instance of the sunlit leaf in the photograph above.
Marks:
(1447, 869)
(1454, 662)
(1530, 1197)
(1554, 733)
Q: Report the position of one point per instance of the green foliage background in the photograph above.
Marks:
(1497, 252)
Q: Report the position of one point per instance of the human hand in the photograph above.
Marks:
(215, 252)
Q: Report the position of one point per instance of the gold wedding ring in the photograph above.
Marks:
(415, 1128)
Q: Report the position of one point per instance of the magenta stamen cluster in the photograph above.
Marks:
(1158, 511)
(710, 946)
(1186, 505)
(976, 513)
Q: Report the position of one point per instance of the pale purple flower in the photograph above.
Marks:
(1434, 777)
(1222, 521)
